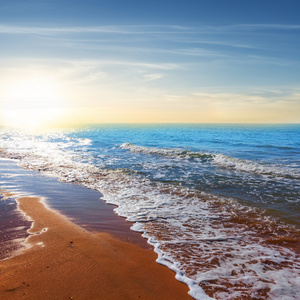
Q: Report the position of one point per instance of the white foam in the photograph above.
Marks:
(191, 231)
(218, 159)
(41, 244)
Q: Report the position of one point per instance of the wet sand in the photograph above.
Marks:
(13, 226)
(65, 261)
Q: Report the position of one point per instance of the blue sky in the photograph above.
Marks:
(192, 12)
(157, 61)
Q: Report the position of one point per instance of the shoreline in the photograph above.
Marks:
(65, 261)
(81, 205)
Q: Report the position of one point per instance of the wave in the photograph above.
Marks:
(209, 241)
(220, 159)
(176, 153)
(276, 147)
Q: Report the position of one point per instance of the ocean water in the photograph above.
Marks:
(220, 203)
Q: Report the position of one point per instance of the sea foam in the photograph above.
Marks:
(214, 244)
(218, 159)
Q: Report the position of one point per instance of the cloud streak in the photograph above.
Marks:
(142, 29)
(133, 29)
(231, 43)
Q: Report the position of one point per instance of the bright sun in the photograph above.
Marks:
(32, 104)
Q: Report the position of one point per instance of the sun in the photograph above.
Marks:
(32, 104)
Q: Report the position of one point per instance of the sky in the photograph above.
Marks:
(194, 61)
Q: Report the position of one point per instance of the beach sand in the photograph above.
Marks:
(65, 261)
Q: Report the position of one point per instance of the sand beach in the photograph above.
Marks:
(224, 222)
(65, 261)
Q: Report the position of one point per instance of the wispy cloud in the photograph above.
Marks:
(255, 97)
(260, 27)
(142, 29)
(163, 56)
(150, 77)
(232, 43)
(87, 73)
(133, 29)
(221, 43)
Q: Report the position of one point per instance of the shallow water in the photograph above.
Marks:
(79, 204)
(219, 203)
(13, 227)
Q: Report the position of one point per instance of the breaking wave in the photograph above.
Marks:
(213, 243)
(221, 160)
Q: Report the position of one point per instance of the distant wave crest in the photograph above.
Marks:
(167, 152)
(220, 159)
(183, 224)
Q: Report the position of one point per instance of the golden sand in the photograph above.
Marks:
(65, 261)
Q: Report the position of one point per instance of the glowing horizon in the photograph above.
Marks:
(199, 69)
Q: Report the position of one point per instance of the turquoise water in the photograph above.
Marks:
(258, 165)
(220, 203)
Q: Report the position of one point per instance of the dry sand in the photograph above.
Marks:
(68, 262)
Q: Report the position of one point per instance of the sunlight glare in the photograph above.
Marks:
(32, 104)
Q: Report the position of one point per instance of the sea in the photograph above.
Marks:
(220, 203)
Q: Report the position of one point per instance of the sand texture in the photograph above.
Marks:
(67, 262)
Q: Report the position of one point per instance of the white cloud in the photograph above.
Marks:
(256, 97)
(150, 77)
(129, 29)
(142, 29)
